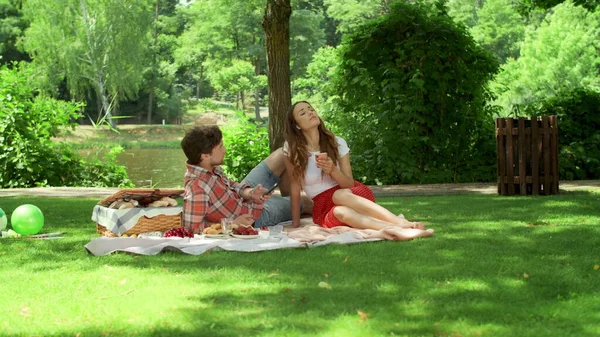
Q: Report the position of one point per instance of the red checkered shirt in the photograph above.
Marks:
(211, 196)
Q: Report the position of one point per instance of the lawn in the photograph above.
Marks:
(497, 266)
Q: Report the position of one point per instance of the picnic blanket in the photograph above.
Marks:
(280, 237)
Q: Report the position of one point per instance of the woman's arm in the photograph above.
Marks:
(343, 174)
(294, 194)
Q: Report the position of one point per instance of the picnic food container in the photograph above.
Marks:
(141, 218)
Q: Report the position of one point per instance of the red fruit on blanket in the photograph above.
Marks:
(178, 232)
(241, 230)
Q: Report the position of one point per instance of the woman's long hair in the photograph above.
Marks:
(298, 146)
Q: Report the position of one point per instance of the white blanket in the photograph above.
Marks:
(278, 239)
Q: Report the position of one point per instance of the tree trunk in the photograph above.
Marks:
(243, 97)
(257, 90)
(276, 24)
(153, 80)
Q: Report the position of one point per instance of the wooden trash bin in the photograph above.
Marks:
(527, 155)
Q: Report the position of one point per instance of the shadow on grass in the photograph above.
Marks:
(485, 272)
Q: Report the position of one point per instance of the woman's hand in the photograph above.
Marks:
(325, 163)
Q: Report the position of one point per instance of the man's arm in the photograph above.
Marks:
(195, 206)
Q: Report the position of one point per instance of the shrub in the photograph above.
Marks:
(247, 144)
(413, 93)
(28, 121)
(578, 114)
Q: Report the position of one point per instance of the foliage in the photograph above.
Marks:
(208, 104)
(98, 47)
(27, 123)
(578, 114)
(499, 29)
(413, 95)
(527, 6)
(12, 25)
(247, 145)
(306, 37)
(317, 86)
(238, 77)
(349, 14)
(561, 55)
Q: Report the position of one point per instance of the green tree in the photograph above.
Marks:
(412, 104)
(499, 29)
(464, 11)
(12, 25)
(349, 14)
(306, 37)
(560, 55)
(160, 75)
(317, 86)
(237, 78)
(98, 46)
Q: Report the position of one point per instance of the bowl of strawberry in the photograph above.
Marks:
(244, 232)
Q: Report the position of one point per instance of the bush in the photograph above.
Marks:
(247, 144)
(578, 114)
(412, 91)
(27, 124)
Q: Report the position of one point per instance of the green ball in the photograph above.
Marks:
(27, 220)
(3, 220)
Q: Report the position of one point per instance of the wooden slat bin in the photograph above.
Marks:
(527, 155)
(144, 196)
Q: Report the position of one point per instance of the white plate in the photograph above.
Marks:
(245, 236)
(215, 236)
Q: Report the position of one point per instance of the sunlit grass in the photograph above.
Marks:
(497, 266)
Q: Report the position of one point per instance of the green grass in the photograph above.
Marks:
(497, 266)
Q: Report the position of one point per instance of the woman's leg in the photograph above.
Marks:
(345, 197)
(354, 219)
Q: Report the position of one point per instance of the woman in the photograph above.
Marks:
(319, 163)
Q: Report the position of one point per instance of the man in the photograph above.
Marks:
(210, 196)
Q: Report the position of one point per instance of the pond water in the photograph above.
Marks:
(154, 167)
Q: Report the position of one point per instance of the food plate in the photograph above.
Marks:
(245, 236)
(216, 236)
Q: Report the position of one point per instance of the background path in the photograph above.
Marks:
(379, 191)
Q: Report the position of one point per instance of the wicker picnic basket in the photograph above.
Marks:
(144, 196)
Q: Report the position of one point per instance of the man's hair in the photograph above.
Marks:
(200, 140)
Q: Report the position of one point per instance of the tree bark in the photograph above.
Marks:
(276, 24)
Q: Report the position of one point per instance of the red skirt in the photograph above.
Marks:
(323, 204)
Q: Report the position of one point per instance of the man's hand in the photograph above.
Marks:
(244, 219)
(257, 194)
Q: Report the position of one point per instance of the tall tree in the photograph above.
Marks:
(97, 46)
(276, 24)
(499, 29)
(165, 29)
(562, 54)
(12, 25)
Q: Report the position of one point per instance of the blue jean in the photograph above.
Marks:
(277, 209)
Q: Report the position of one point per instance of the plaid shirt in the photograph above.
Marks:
(211, 196)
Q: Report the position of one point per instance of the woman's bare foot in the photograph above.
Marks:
(409, 224)
(418, 225)
(412, 233)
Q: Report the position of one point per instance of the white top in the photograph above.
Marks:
(314, 182)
